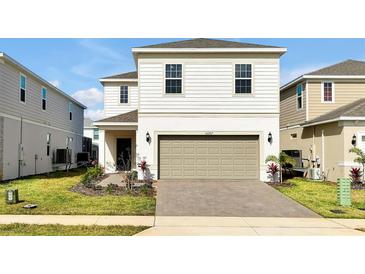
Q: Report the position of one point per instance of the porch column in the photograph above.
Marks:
(102, 147)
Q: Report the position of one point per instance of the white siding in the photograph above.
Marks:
(56, 114)
(112, 104)
(208, 86)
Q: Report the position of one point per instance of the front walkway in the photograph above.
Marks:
(229, 199)
(205, 226)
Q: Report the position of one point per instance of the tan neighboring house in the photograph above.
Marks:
(322, 115)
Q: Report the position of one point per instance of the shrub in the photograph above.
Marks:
(355, 175)
(91, 174)
(272, 169)
(134, 175)
(111, 188)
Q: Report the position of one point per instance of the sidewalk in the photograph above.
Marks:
(206, 226)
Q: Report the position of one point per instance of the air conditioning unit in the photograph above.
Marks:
(63, 156)
(314, 174)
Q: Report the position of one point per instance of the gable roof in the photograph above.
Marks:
(39, 78)
(206, 43)
(345, 69)
(350, 111)
(127, 76)
(129, 117)
(348, 67)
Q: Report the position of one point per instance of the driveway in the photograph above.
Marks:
(235, 199)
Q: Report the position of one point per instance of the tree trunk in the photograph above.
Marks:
(281, 174)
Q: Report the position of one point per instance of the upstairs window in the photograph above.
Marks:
(327, 94)
(96, 134)
(243, 78)
(299, 92)
(70, 110)
(22, 87)
(173, 79)
(44, 98)
(48, 143)
(123, 98)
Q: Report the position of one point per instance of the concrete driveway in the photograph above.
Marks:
(234, 199)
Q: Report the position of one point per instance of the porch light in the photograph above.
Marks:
(353, 141)
(269, 138)
(148, 137)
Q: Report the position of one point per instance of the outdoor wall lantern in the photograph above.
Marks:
(148, 137)
(353, 141)
(269, 138)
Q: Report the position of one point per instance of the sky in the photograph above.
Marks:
(76, 65)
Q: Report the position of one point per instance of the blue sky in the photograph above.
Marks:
(75, 65)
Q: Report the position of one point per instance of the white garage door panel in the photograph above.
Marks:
(209, 157)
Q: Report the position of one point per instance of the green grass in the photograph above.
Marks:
(69, 230)
(321, 197)
(53, 196)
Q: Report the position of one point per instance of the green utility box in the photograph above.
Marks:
(11, 196)
(344, 191)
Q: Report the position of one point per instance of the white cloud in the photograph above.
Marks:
(94, 114)
(100, 49)
(89, 97)
(56, 83)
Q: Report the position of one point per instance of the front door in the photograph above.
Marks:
(124, 147)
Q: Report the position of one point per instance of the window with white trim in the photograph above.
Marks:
(243, 78)
(70, 110)
(44, 98)
(123, 96)
(173, 78)
(22, 87)
(48, 139)
(299, 92)
(96, 133)
(327, 92)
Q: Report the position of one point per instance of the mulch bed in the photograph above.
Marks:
(94, 190)
(278, 184)
(358, 186)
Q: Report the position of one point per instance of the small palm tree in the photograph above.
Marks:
(284, 159)
(359, 159)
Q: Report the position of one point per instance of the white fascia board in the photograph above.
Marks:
(44, 82)
(117, 80)
(298, 79)
(270, 50)
(341, 118)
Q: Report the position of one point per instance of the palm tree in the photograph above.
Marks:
(359, 159)
(284, 159)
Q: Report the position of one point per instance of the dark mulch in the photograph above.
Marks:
(95, 190)
(357, 186)
(278, 184)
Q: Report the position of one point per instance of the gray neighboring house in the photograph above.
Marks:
(37, 120)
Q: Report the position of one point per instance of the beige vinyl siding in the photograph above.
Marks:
(1, 146)
(56, 114)
(208, 86)
(289, 114)
(112, 105)
(345, 93)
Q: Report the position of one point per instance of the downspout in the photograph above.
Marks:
(20, 146)
(322, 160)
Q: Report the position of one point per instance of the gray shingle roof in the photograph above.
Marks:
(354, 109)
(129, 117)
(348, 67)
(126, 75)
(206, 43)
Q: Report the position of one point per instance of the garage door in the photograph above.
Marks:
(209, 157)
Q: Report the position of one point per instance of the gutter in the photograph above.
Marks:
(118, 80)
(269, 50)
(341, 118)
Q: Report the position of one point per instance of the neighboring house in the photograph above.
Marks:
(92, 132)
(322, 114)
(196, 109)
(36, 119)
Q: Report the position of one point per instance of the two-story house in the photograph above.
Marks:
(194, 109)
(36, 119)
(322, 115)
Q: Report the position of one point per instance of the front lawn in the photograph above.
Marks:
(69, 230)
(321, 198)
(53, 196)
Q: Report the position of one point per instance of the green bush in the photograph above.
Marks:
(134, 175)
(91, 174)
